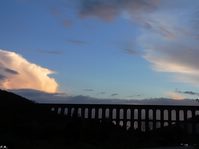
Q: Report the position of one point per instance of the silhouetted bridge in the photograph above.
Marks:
(141, 117)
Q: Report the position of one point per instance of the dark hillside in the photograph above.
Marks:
(25, 124)
(8, 98)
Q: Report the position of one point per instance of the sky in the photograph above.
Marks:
(115, 49)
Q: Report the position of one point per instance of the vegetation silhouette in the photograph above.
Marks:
(24, 124)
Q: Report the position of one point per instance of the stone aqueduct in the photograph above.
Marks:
(141, 117)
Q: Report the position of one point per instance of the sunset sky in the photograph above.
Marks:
(117, 49)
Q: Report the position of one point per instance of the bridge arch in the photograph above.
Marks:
(141, 117)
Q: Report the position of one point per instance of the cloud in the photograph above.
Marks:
(175, 96)
(136, 95)
(76, 42)
(114, 94)
(108, 10)
(67, 23)
(2, 77)
(16, 72)
(53, 52)
(175, 52)
(59, 12)
(55, 11)
(132, 52)
(88, 90)
(11, 71)
(170, 43)
(169, 32)
(188, 93)
(102, 93)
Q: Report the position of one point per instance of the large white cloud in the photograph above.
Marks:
(17, 73)
(172, 44)
(169, 31)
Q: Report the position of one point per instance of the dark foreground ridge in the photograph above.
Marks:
(28, 125)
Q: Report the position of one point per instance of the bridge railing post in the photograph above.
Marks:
(169, 117)
(111, 113)
(89, 113)
(139, 119)
(185, 120)
(96, 113)
(125, 118)
(118, 116)
(154, 119)
(132, 118)
(103, 113)
(147, 119)
(83, 112)
(162, 118)
(177, 116)
(193, 113)
(69, 111)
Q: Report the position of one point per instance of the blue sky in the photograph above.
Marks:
(130, 49)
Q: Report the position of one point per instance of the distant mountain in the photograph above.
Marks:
(43, 97)
(155, 101)
(8, 98)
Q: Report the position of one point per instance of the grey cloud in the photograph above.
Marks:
(76, 42)
(10, 71)
(108, 9)
(180, 53)
(179, 58)
(154, 25)
(130, 47)
(132, 52)
(5, 72)
(55, 11)
(188, 92)
(100, 93)
(88, 89)
(59, 11)
(53, 52)
(2, 77)
(136, 95)
(114, 94)
(67, 23)
(139, 11)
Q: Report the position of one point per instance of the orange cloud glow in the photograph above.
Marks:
(175, 96)
(27, 74)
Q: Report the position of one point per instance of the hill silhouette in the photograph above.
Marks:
(14, 109)
(8, 98)
(15, 113)
(25, 124)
